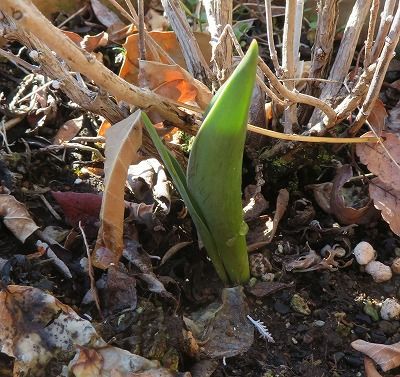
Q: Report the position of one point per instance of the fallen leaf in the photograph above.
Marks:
(322, 195)
(393, 120)
(78, 206)
(376, 158)
(120, 290)
(387, 200)
(369, 367)
(155, 21)
(173, 82)
(35, 327)
(50, 8)
(148, 181)
(88, 42)
(167, 40)
(68, 130)
(254, 203)
(378, 116)
(122, 143)
(345, 214)
(105, 15)
(224, 329)
(262, 229)
(387, 356)
(16, 217)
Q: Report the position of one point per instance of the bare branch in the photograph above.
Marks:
(384, 26)
(387, 55)
(371, 31)
(27, 16)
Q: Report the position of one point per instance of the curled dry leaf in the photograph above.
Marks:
(265, 233)
(377, 159)
(88, 42)
(387, 356)
(387, 200)
(122, 143)
(173, 82)
(322, 195)
(150, 175)
(16, 217)
(378, 116)
(344, 214)
(68, 130)
(105, 15)
(254, 203)
(167, 40)
(227, 332)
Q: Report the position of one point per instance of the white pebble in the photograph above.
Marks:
(364, 253)
(390, 309)
(379, 271)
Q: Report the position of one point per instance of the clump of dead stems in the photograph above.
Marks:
(328, 98)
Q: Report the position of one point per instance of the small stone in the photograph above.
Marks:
(337, 356)
(259, 265)
(319, 323)
(390, 309)
(281, 308)
(389, 327)
(379, 271)
(364, 253)
(299, 305)
(294, 341)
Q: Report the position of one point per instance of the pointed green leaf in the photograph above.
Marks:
(214, 174)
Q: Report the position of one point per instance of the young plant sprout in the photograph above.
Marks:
(211, 189)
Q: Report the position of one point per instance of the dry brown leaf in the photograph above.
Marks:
(387, 356)
(35, 327)
(387, 200)
(167, 40)
(393, 121)
(155, 21)
(122, 143)
(369, 367)
(50, 8)
(345, 214)
(322, 195)
(16, 217)
(377, 159)
(107, 361)
(68, 130)
(378, 116)
(105, 14)
(254, 203)
(173, 82)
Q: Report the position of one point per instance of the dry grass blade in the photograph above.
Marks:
(122, 143)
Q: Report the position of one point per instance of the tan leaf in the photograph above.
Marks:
(50, 8)
(377, 159)
(68, 130)
(386, 356)
(344, 213)
(122, 143)
(35, 327)
(106, 15)
(370, 370)
(16, 217)
(378, 116)
(167, 40)
(173, 82)
(387, 200)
